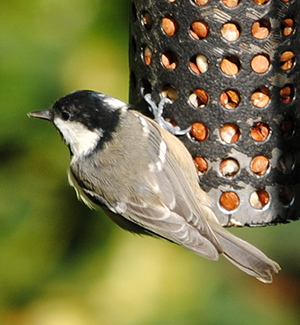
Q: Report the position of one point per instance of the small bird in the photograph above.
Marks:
(144, 178)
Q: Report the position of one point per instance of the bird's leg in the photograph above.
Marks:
(157, 111)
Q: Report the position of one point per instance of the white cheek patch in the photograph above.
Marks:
(80, 139)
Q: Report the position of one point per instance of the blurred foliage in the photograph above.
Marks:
(64, 264)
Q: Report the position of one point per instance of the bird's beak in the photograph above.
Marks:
(46, 115)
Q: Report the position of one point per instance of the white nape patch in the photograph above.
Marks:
(80, 139)
(114, 103)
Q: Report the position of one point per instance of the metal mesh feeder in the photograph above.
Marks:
(231, 70)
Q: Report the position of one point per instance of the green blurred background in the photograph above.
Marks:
(63, 264)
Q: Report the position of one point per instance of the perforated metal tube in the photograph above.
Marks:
(231, 69)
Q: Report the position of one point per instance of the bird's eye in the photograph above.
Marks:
(65, 115)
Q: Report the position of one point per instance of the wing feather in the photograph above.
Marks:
(162, 195)
(168, 205)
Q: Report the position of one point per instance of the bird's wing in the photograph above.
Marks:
(167, 206)
(163, 200)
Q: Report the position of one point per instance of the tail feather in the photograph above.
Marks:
(246, 257)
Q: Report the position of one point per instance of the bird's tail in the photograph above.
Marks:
(245, 256)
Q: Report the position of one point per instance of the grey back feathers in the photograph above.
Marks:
(146, 179)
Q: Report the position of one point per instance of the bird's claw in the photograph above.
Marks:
(157, 111)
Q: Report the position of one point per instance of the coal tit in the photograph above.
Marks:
(144, 178)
